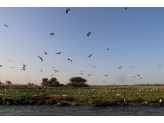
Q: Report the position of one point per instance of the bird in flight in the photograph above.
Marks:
(0, 65)
(89, 74)
(67, 9)
(103, 81)
(146, 62)
(96, 79)
(94, 66)
(41, 70)
(6, 25)
(89, 33)
(139, 76)
(159, 65)
(45, 53)
(23, 69)
(106, 75)
(40, 58)
(120, 67)
(69, 59)
(81, 73)
(107, 49)
(52, 33)
(133, 67)
(51, 75)
(125, 8)
(58, 53)
(10, 60)
(89, 56)
(11, 67)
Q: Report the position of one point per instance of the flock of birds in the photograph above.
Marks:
(88, 34)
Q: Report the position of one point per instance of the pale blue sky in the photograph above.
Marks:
(134, 36)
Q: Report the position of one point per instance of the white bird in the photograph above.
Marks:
(124, 100)
(160, 100)
(139, 76)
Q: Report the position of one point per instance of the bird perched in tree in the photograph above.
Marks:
(45, 53)
(89, 33)
(52, 33)
(125, 8)
(89, 56)
(6, 25)
(107, 49)
(67, 9)
(40, 58)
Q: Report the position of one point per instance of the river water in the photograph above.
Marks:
(51, 110)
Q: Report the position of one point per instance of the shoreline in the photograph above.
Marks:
(78, 103)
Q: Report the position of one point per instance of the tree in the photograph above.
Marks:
(53, 82)
(77, 82)
(8, 82)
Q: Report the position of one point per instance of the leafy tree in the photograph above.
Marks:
(53, 82)
(77, 82)
(8, 82)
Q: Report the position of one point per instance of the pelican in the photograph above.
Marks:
(89, 33)
(67, 9)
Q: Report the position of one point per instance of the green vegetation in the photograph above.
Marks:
(88, 95)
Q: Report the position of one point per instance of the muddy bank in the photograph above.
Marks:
(76, 103)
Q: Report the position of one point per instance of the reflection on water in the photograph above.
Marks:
(50, 110)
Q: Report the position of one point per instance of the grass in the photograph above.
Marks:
(97, 95)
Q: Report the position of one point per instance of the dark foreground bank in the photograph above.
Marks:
(74, 103)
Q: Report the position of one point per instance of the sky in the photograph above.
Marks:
(133, 35)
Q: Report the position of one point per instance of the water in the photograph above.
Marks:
(51, 110)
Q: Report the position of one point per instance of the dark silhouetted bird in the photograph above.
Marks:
(6, 25)
(52, 33)
(125, 8)
(89, 74)
(159, 65)
(67, 9)
(40, 58)
(45, 53)
(58, 53)
(106, 75)
(0, 65)
(89, 33)
(139, 76)
(89, 56)
(107, 49)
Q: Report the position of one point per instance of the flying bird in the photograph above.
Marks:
(89, 33)
(103, 81)
(58, 53)
(133, 67)
(11, 67)
(89, 74)
(40, 58)
(107, 49)
(146, 62)
(0, 65)
(94, 66)
(45, 53)
(52, 33)
(23, 69)
(81, 73)
(159, 65)
(6, 25)
(125, 8)
(10, 60)
(67, 9)
(41, 70)
(69, 59)
(89, 56)
(106, 75)
(120, 67)
(139, 76)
